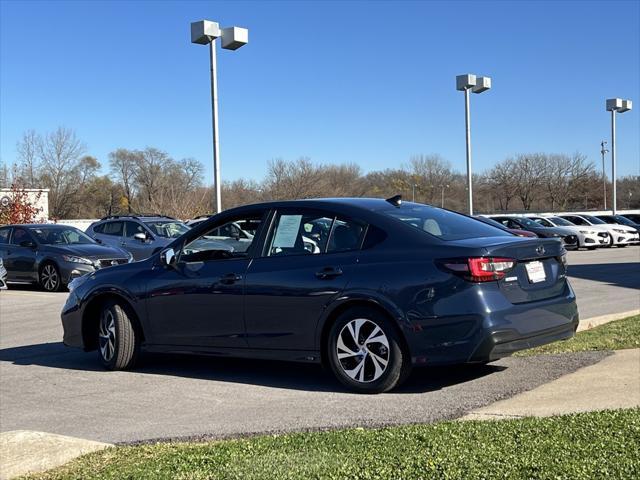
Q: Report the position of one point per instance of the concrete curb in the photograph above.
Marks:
(25, 451)
(601, 320)
(610, 384)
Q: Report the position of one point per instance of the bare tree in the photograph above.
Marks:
(529, 176)
(501, 180)
(59, 153)
(151, 165)
(430, 173)
(123, 164)
(291, 180)
(28, 160)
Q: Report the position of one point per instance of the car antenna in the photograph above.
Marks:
(396, 200)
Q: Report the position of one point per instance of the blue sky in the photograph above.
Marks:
(365, 82)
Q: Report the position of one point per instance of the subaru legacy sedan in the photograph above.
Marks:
(368, 287)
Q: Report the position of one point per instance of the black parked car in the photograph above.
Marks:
(634, 217)
(568, 237)
(53, 255)
(366, 286)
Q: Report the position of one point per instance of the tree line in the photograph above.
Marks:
(151, 180)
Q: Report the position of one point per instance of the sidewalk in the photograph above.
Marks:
(612, 383)
(23, 451)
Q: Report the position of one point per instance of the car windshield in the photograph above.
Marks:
(60, 236)
(562, 222)
(624, 221)
(442, 224)
(527, 222)
(167, 228)
(594, 220)
(542, 221)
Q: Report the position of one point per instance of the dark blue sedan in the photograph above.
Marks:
(368, 287)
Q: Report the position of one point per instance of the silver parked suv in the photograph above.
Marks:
(142, 235)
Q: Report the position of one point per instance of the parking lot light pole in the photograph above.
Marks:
(205, 32)
(467, 83)
(620, 106)
(442, 187)
(603, 152)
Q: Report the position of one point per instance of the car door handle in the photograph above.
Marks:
(329, 272)
(230, 278)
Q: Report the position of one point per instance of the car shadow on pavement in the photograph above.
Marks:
(270, 373)
(618, 274)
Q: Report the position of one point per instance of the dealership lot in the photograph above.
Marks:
(48, 387)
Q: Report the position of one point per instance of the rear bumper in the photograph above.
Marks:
(498, 331)
(503, 343)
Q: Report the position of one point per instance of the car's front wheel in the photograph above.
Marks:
(365, 352)
(118, 345)
(49, 277)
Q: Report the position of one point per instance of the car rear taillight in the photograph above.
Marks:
(480, 269)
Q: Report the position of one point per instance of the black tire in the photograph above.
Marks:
(367, 363)
(118, 344)
(611, 244)
(49, 277)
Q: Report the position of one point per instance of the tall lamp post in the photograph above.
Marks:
(467, 83)
(442, 187)
(205, 32)
(615, 105)
(603, 152)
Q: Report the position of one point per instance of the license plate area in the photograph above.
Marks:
(535, 272)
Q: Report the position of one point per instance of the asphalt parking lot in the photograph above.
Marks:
(48, 387)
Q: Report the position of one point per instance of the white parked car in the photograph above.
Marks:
(587, 237)
(620, 235)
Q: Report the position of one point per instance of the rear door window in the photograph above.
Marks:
(346, 235)
(112, 228)
(20, 235)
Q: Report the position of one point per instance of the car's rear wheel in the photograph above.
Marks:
(49, 277)
(118, 345)
(365, 352)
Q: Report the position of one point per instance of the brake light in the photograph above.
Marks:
(481, 269)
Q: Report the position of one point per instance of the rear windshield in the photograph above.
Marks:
(562, 222)
(594, 220)
(442, 224)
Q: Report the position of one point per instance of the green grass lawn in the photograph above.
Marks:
(581, 446)
(616, 335)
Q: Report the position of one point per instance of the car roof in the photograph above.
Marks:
(140, 218)
(38, 225)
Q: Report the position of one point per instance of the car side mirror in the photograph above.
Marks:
(235, 235)
(140, 236)
(168, 257)
(27, 244)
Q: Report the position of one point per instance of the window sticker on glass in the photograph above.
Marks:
(287, 231)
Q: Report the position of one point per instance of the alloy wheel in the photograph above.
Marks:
(49, 278)
(107, 336)
(362, 348)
